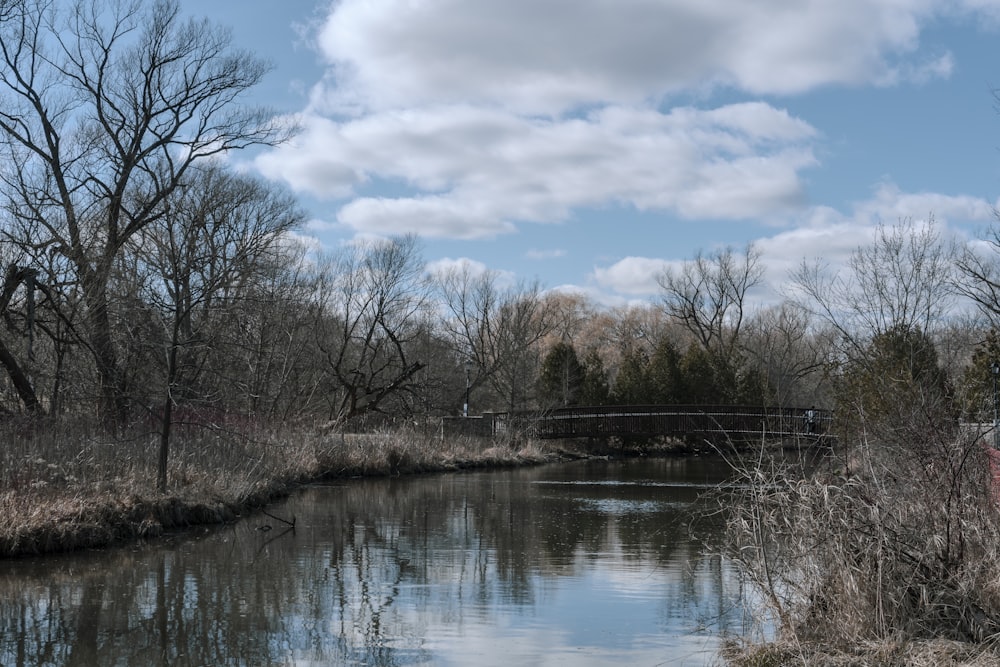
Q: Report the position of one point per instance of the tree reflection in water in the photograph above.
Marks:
(594, 559)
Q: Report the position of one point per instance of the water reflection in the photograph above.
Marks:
(588, 563)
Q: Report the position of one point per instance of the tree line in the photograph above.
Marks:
(145, 281)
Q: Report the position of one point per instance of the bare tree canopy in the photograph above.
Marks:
(901, 280)
(375, 300)
(221, 233)
(979, 274)
(104, 107)
(708, 295)
(789, 352)
(496, 328)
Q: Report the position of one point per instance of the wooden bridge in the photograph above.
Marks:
(734, 421)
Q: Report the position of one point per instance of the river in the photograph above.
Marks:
(584, 563)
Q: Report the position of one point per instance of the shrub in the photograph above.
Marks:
(874, 543)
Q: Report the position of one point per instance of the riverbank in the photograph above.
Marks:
(882, 553)
(64, 489)
(905, 652)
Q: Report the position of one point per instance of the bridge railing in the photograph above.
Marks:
(650, 420)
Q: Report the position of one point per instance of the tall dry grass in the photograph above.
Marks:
(69, 485)
(883, 551)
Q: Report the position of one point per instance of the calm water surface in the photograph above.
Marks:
(588, 563)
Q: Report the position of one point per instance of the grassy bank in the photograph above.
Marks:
(63, 487)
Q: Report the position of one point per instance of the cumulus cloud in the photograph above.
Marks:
(830, 238)
(431, 216)
(448, 265)
(483, 116)
(459, 120)
(822, 235)
(473, 269)
(634, 276)
(474, 173)
(889, 203)
(547, 56)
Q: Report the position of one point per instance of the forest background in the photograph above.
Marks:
(146, 285)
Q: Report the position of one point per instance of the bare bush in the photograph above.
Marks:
(878, 546)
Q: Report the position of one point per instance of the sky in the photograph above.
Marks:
(589, 145)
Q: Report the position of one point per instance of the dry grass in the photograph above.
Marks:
(883, 553)
(888, 653)
(66, 486)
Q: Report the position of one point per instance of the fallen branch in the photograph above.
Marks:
(278, 518)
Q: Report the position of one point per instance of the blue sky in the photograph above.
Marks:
(589, 144)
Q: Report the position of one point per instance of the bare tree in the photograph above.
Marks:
(8, 7)
(277, 371)
(571, 312)
(104, 107)
(790, 352)
(884, 310)
(979, 274)
(708, 296)
(15, 277)
(375, 313)
(220, 232)
(39, 317)
(497, 328)
(901, 280)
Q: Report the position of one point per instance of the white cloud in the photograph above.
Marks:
(307, 243)
(784, 253)
(318, 225)
(632, 275)
(467, 120)
(547, 56)
(470, 267)
(432, 217)
(821, 235)
(890, 204)
(474, 173)
(830, 237)
(448, 265)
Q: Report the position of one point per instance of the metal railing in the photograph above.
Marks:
(652, 420)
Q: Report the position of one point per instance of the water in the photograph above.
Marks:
(588, 563)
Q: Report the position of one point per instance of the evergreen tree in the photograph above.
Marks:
(562, 376)
(631, 386)
(897, 377)
(752, 387)
(977, 383)
(594, 390)
(664, 376)
(699, 376)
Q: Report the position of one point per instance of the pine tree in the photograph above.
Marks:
(664, 376)
(631, 386)
(594, 390)
(562, 376)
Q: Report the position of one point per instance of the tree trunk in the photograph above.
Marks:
(112, 398)
(161, 476)
(168, 400)
(22, 384)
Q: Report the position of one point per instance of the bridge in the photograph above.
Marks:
(734, 421)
